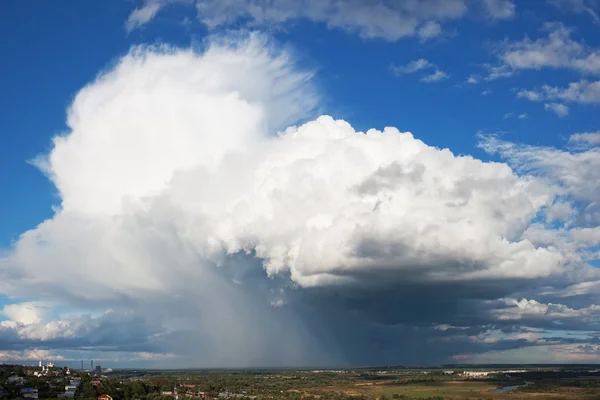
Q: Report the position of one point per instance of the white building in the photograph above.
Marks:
(70, 388)
(477, 374)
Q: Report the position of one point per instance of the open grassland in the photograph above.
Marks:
(460, 389)
(447, 389)
(453, 389)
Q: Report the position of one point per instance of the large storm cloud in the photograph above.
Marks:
(207, 216)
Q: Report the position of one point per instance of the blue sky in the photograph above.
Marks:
(487, 79)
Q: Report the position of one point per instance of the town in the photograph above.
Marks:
(460, 382)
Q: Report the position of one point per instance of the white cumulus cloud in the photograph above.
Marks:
(585, 138)
(186, 182)
(557, 108)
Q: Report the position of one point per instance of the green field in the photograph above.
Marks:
(446, 389)
(457, 389)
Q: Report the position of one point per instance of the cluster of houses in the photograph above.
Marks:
(189, 390)
(29, 393)
(32, 393)
(485, 374)
(337, 371)
(71, 388)
(25, 392)
(47, 370)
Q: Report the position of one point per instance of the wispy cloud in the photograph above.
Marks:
(413, 66)
(473, 78)
(513, 115)
(435, 77)
(369, 19)
(389, 20)
(585, 92)
(555, 50)
(147, 11)
(144, 14)
(500, 9)
(578, 6)
(420, 65)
